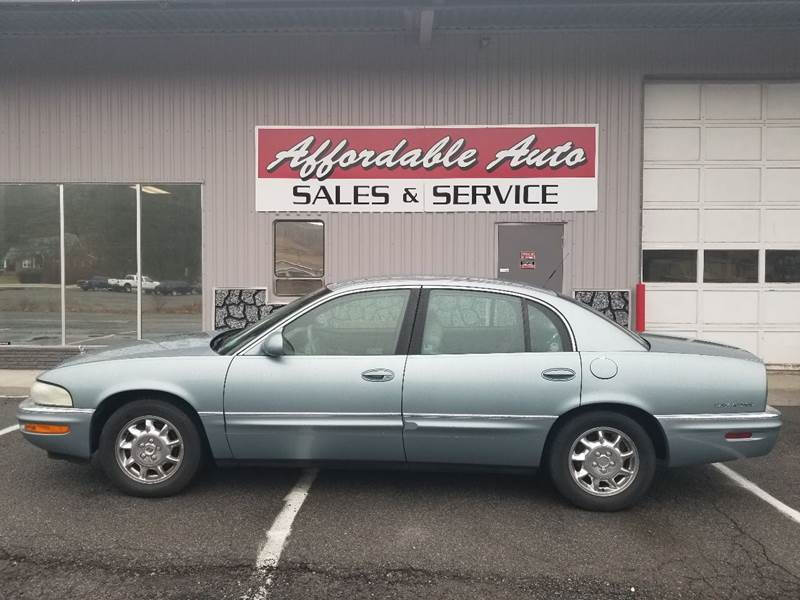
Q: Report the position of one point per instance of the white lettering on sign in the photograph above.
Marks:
(434, 169)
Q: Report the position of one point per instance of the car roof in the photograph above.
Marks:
(443, 281)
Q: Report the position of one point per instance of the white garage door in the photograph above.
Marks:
(721, 213)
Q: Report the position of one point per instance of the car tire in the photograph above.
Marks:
(167, 438)
(605, 460)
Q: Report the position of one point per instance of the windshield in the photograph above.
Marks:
(229, 341)
(630, 333)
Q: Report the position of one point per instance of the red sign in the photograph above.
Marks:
(527, 259)
(508, 168)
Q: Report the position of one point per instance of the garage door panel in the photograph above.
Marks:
(732, 185)
(681, 333)
(732, 101)
(732, 143)
(672, 101)
(782, 226)
(782, 185)
(780, 307)
(783, 100)
(669, 225)
(730, 225)
(671, 306)
(671, 144)
(747, 340)
(783, 143)
(671, 185)
(722, 306)
(738, 194)
(780, 347)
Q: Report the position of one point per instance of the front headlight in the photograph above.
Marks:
(45, 394)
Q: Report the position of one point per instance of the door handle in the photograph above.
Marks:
(377, 375)
(558, 374)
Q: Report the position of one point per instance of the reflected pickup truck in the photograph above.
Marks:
(131, 282)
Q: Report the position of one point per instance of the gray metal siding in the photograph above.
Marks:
(184, 108)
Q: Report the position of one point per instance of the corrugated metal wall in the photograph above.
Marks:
(184, 108)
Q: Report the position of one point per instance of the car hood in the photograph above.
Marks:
(681, 345)
(179, 345)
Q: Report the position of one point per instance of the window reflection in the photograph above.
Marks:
(100, 275)
(730, 266)
(30, 264)
(299, 257)
(171, 259)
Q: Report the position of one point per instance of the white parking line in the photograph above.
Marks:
(9, 429)
(751, 487)
(278, 533)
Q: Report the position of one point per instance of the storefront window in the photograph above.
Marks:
(171, 259)
(30, 264)
(730, 266)
(672, 266)
(299, 257)
(782, 266)
(100, 275)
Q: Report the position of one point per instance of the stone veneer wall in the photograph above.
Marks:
(235, 308)
(615, 304)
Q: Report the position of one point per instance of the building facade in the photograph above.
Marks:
(147, 137)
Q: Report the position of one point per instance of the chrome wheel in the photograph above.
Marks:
(603, 461)
(149, 449)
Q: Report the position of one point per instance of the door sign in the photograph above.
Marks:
(527, 259)
(511, 168)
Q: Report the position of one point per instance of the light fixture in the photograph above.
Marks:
(151, 189)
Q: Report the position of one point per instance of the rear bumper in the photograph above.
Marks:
(76, 443)
(699, 439)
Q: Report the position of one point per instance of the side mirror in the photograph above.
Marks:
(273, 345)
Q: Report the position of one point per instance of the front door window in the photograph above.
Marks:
(363, 324)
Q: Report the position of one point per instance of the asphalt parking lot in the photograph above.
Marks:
(67, 533)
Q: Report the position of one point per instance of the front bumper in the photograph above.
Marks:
(699, 439)
(75, 443)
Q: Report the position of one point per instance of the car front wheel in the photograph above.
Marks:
(602, 460)
(150, 448)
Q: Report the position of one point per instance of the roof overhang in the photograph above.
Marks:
(422, 18)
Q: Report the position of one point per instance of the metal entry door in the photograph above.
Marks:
(531, 253)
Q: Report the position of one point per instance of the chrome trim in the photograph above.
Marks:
(720, 416)
(474, 416)
(55, 409)
(309, 414)
(210, 413)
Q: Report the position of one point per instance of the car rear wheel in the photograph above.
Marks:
(150, 448)
(602, 460)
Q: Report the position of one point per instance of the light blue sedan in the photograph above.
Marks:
(415, 371)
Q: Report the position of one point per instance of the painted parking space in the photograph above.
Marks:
(777, 473)
(65, 528)
(387, 533)
(695, 535)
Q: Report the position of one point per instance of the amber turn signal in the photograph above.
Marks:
(45, 428)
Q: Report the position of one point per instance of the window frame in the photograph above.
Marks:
(275, 275)
(415, 346)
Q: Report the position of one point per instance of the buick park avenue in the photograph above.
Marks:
(415, 371)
